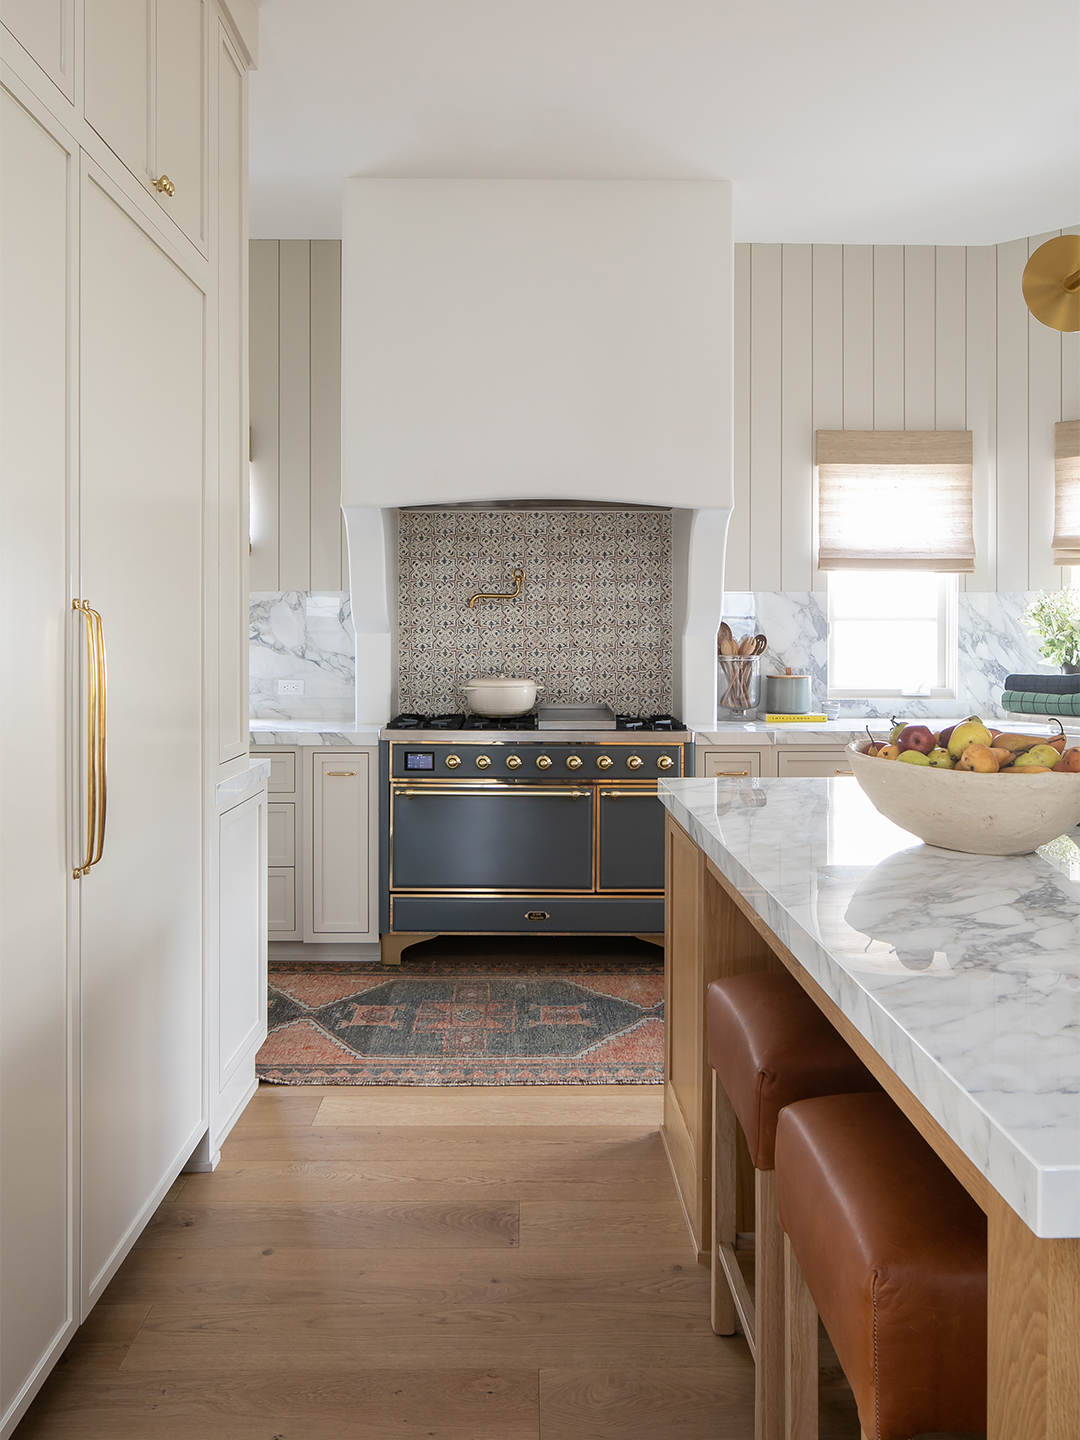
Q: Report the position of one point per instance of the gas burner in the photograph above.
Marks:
(446, 722)
(651, 722)
(408, 721)
(505, 722)
(630, 722)
(664, 722)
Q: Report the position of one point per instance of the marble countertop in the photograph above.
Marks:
(962, 971)
(842, 732)
(329, 733)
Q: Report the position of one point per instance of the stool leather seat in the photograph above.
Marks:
(893, 1252)
(770, 1045)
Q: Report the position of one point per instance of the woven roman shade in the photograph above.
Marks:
(895, 500)
(1067, 492)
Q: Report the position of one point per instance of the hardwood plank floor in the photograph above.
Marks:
(457, 1264)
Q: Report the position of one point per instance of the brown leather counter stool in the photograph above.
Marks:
(769, 1044)
(886, 1244)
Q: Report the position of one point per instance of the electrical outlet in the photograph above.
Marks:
(290, 687)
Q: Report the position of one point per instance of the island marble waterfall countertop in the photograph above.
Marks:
(962, 971)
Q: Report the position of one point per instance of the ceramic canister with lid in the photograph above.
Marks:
(787, 694)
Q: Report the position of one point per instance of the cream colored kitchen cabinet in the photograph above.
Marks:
(281, 903)
(723, 760)
(130, 947)
(281, 834)
(823, 761)
(282, 770)
(46, 31)
(145, 77)
(342, 836)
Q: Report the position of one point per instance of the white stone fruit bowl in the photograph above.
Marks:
(963, 810)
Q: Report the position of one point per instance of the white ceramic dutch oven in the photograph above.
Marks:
(500, 695)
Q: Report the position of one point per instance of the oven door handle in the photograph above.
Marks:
(532, 792)
(628, 794)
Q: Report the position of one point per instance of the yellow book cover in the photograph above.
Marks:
(795, 719)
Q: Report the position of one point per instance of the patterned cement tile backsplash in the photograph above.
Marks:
(593, 621)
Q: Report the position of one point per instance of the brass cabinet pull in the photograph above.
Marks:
(843, 772)
(728, 773)
(96, 749)
(339, 772)
(164, 186)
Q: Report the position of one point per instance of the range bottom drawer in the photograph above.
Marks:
(444, 914)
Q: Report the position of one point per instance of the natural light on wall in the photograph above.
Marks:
(895, 529)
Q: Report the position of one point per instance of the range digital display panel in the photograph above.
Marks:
(419, 760)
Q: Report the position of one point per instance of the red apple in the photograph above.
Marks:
(943, 738)
(916, 737)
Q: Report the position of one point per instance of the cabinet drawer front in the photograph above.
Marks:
(280, 899)
(809, 763)
(555, 914)
(282, 771)
(281, 834)
(725, 763)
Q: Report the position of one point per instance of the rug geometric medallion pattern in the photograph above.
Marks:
(464, 1023)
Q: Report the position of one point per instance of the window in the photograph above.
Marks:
(892, 633)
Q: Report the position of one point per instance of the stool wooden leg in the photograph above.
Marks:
(800, 1352)
(768, 1310)
(723, 1203)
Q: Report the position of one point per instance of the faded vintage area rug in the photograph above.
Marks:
(459, 1022)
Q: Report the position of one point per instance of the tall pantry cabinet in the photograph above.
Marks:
(132, 823)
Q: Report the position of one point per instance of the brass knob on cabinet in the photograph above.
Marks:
(604, 762)
(665, 762)
(514, 762)
(453, 761)
(573, 762)
(164, 186)
(635, 762)
(483, 761)
(543, 762)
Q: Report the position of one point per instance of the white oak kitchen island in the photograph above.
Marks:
(955, 977)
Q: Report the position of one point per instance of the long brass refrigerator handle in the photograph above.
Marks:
(82, 608)
(101, 670)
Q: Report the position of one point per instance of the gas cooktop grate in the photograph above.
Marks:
(412, 721)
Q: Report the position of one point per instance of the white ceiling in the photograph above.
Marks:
(928, 122)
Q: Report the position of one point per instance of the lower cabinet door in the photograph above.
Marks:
(341, 844)
(631, 840)
(806, 763)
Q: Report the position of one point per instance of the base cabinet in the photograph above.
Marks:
(323, 854)
(795, 761)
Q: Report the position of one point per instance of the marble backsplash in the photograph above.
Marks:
(307, 636)
(993, 642)
(593, 621)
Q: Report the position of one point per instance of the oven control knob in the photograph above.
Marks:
(604, 762)
(513, 762)
(635, 762)
(573, 762)
(665, 762)
(483, 761)
(453, 761)
(543, 762)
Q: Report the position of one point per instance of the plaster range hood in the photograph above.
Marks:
(538, 340)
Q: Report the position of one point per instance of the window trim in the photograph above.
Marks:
(948, 646)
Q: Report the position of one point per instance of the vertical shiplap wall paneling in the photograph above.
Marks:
(888, 271)
(766, 331)
(981, 383)
(1044, 410)
(294, 411)
(827, 311)
(858, 358)
(737, 566)
(326, 520)
(920, 337)
(1070, 364)
(263, 381)
(949, 336)
(1012, 418)
(797, 418)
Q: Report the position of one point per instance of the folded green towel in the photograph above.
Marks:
(1031, 702)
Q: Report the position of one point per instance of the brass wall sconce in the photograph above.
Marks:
(1052, 283)
(519, 580)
